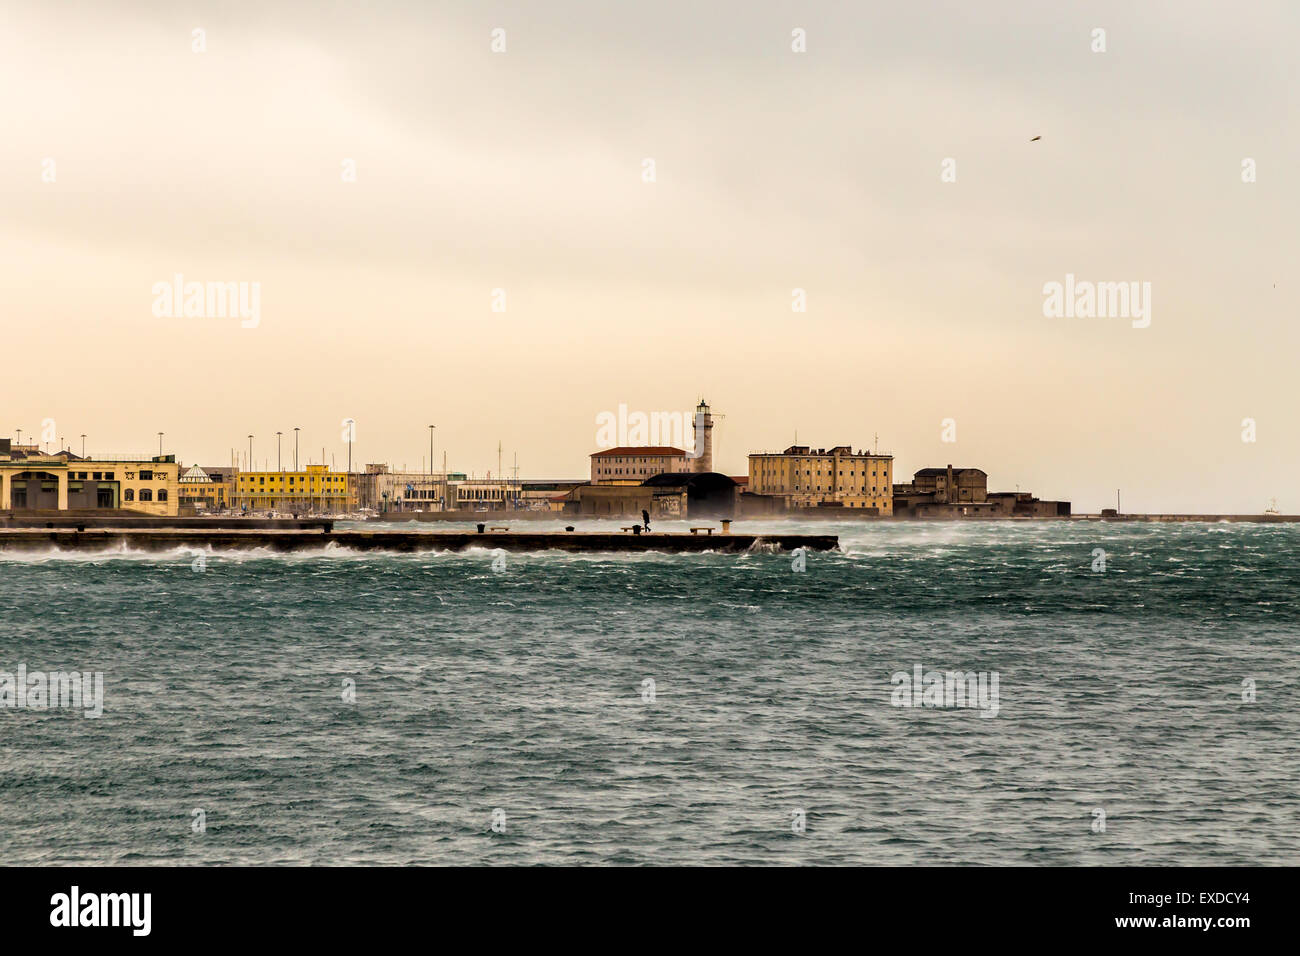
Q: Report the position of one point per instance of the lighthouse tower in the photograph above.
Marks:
(703, 419)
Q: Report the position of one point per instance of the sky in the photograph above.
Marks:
(886, 170)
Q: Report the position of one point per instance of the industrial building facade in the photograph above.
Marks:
(631, 465)
(31, 480)
(208, 488)
(312, 489)
(839, 477)
(950, 492)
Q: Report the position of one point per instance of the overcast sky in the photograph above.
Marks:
(774, 170)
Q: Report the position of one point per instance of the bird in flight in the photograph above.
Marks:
(1035, 139)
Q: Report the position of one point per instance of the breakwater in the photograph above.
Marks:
(1175, 518)
(297, 539)
(81, 522)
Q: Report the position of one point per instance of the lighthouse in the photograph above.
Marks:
(703, 446)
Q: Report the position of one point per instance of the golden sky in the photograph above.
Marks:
(774, 170)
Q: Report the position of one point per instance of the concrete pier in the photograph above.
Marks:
(1204, 519)
(83, 521)
(298, 539)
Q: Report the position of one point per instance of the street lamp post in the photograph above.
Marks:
(430, 466)
(250, 468)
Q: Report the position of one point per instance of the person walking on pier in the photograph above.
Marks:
(645, 519)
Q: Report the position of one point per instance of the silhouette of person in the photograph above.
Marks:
(645, 519)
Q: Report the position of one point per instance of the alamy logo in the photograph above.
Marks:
(1098, 300)
(639, 429)
(38, 690)
(103, 909)
(946, 689)
(179, 299)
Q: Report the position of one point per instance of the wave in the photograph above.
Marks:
(337, 552)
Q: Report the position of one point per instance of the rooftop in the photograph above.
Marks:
(809, 451)
(643, 450)
(934, 472)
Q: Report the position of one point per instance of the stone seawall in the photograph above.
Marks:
(61, 520)
(106, 539)
(1209, 519)
(397, 517)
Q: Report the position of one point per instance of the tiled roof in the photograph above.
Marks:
(639, 450)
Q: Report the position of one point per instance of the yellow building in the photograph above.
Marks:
(314, 489)
(836, 477)
(33, 481)
(207, 488)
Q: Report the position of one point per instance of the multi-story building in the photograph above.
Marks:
(963, 493)
(484, 494)
(806, 477)
(312, 489)
(631, 464)
(207, 488)
(31, 480)
(386, 490)
(389, 491)
(943, 491)
(951, 485)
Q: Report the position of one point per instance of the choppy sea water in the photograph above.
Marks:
(524, 691)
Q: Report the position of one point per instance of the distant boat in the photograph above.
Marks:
(1272, 508)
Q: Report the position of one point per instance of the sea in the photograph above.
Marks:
(1130, 698)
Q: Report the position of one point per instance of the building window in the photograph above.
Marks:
(129, 495)
(162, 494)
(146, 494)
(146, 476)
